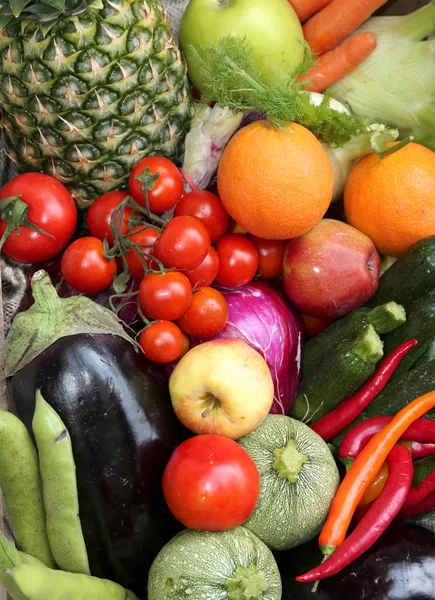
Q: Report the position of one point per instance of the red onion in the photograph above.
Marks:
(260, 316)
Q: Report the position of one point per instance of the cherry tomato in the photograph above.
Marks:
(85, 267)
(207, 271)
(166, 295)
(183, 244)
(211, 483)
(168, 188)
(162, 341)
(313, 326)
(143, 237)
(206, 207)
(238, 260)
(271, 256)
(51, 208)
(206, 315)
(100, 214)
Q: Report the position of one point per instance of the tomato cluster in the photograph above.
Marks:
(176, 259)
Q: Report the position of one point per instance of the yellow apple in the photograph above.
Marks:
(223, 386)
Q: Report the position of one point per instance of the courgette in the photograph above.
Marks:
(410, 277)
(420, 324)
(384, 318)
(397, 394)
(340, 374)
(428, 356)
(423, 468)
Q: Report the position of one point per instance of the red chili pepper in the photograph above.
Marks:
(378, 517)
(417, 496)
(422, 431)
(341, 417)
(426, 505)
(421, 450)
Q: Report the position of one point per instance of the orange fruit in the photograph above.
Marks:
(276, 183)
(392, 199)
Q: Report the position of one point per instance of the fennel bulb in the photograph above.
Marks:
(396, 84)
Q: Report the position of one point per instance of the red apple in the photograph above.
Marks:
(331, 270)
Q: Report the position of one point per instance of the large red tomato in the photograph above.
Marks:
(211, 483)
(51, 209)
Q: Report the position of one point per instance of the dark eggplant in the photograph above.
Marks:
(123, 431)
(399, 566)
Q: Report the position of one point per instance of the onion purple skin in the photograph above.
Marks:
(260, 316)
(128, 314)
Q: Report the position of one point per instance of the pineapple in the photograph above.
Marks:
(89, 87)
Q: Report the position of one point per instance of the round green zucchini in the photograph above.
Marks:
(228, 565)
(299, 478)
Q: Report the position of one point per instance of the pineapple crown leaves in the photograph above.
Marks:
(45, 12)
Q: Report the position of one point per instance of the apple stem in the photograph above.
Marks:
(210, 407)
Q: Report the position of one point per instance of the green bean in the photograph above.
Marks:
(36, 582)
(59, 487)
(20, 483)
(10, 557)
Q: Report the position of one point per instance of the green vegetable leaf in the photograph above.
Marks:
(236, 84)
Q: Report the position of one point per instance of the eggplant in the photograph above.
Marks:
(399, 566)
(122, 427)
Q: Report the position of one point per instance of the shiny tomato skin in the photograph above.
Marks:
(211, 483)
(51, 208)
(168, 188)
(207, 271)
(207, 314)
(85, 267)
(143, 237)
(162, 342)
(183, 244)
(165, 296)
(238, 260)
(206, 207)
(100, 214)
(271, 257)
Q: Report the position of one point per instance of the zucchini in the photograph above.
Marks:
(423, 468)
(340, 374)
(428, 356)
(420, 324)
(384, 319)
(397, 394)
(411, 276)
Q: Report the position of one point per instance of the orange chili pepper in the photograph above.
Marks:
(364, 470)
(376, 486)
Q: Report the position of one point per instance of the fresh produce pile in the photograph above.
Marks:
(221, 380)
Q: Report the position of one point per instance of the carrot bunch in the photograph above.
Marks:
(327, 25)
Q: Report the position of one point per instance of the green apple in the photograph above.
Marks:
(269, 27)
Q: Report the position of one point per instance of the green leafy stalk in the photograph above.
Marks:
(237, 85)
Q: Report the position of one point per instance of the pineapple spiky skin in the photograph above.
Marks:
(98, 91)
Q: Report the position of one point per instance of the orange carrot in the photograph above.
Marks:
(334, 23)
(364, 470)
(335, 64)
(307, 8)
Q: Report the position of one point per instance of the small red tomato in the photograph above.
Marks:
(183, 244)
(312, 326)
(211, 483)
(143, 238)
(162, 342)
(271, 256)
(165, 296)
(85, 267)
(206, 207)
(238, 260)
(168, 188)
(51, 208)
(206, 315)
(207, 271)
(100, 214)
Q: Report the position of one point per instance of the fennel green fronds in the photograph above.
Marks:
(396, 84)
(232, 81)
